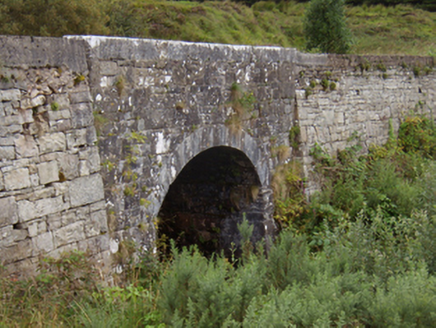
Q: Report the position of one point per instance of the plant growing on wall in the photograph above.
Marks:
(131, 177)
(242, 104)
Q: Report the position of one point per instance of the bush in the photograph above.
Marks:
(52, 17)
(324, 27)
(391, 181)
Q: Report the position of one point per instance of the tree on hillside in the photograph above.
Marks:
(324, 27)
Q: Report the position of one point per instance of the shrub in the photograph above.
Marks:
(52, 18)
(325, 28)
(418, 135)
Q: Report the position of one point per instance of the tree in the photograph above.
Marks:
(325, 28)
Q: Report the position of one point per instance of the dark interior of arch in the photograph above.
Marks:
(208, 199)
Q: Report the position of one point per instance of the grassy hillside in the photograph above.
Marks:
(221, 22)
(376, 29)
(392, 30)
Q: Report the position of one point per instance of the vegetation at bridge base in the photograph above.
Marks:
(362, 253)
(376, 29)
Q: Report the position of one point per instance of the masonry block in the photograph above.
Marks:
(43, 243)
(25, 146)
(69, 166)
(7, 153)
(10, 95)
(17, 179)
(8, 211)
(69, 234)
(81, 115)
(76, 138)
(48, 172)
(52, 142)
(20, 250)
(86, 190)
(30, 210)
(97, 224)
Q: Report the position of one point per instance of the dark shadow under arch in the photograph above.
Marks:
(209, 198)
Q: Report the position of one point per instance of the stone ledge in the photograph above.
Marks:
(38, 52)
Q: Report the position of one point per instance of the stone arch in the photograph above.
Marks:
(202, 139)
(215, 222)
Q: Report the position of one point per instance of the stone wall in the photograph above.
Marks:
(51, 190)
(141, 110)
(361, 96)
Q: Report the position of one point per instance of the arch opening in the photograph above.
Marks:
(208, 199)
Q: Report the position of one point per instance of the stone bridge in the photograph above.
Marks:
(108, 144)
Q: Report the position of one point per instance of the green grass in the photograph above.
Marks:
(392, 30)
(219, 22)
(376, 29)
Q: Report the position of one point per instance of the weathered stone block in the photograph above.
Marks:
(25, 146)
(35, 227)
(9, 236)
(76, 138)
(34, 102)
(69, 234)
(26, 116)
(92, 158)
(18, 251)
(63, 100)
(49, 206)
(108, 68)
(86, 190)
(4, 233)
(53, 222)
(7, 107)
(7, 141)
(11, 120)
(34, 180)
(91, 135)
(26, 210)
(17, 179)
(61, 125)
(32, 228)
(43, 243)
(59, 115)
(83, 168)
(31, 210)
(8, 211)
(52, 142)
(81, 115)
(10, 95)
(97, 224)
(7, 153)
(48, 172)
(73, 216)
(69, 166)
(80, 97)
(97, 206)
